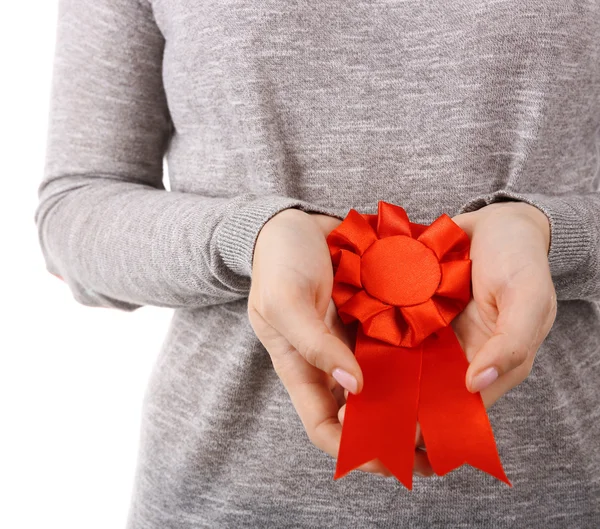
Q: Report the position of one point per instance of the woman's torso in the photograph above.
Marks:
(427, 105)
(341, 103)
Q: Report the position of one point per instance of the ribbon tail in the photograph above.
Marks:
(454, 422)
(380, 422)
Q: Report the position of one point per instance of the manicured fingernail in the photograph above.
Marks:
(346, 380)
(484, 379)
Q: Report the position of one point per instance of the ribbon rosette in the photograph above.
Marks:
(404, 283)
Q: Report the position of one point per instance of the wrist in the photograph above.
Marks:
(542, 222)
(326, 223)
(535, 216)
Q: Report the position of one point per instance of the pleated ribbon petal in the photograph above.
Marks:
(404, 283)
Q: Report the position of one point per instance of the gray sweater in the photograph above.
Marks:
(439, 106)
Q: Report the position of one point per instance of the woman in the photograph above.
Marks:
(276, 119)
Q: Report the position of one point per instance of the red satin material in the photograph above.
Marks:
(404, 283)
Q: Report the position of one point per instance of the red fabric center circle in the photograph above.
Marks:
(400, 271)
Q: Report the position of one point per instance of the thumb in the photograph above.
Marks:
(521, 326)
(299, 323)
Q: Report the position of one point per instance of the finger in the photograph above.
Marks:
(314, 402)
(316, 407)
(375, 467)
(505, 383)
(524, 319)
(337, 327)
(422, 466)
(341, 414)
(314, 399)
(338, 393)
(300, 325)
(419, 441)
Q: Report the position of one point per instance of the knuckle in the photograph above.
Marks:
(318, 434)
(311, 352)
(314, 437)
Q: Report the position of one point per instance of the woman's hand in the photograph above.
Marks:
(514, 302)
(292, 314)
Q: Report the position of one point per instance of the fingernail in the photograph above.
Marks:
(484, 379)
(346, 380)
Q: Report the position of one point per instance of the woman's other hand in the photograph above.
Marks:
(513, 305)
(514, 302)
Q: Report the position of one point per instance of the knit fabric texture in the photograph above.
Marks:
(258, 106)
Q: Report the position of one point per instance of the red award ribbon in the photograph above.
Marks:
(404, 283)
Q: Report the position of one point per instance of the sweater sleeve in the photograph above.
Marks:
(574, 254)
(106, 224)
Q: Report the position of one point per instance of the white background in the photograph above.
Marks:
(72, 378)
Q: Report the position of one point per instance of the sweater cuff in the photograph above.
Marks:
(238, 233)
(570, 237)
